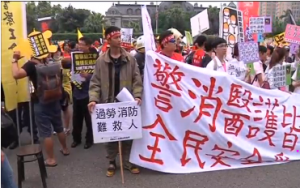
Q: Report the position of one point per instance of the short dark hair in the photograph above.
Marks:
(164, 35)
(200, 40)
(72, 44)
(217, 41)
(208, 45)
(263, 49)
(271, 48)
(86, 40)
(111, 29)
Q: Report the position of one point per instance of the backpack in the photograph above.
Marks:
(189, 58)
(9, 132)
(49, 82)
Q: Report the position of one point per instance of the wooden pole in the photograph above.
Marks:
(121, 161)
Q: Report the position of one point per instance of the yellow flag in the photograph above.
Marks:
(79, 34)
(103, 31)
(14, 31)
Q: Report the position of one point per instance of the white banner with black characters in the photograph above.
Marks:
(116, 122)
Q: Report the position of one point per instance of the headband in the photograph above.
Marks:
(113, 34)
(167, 39)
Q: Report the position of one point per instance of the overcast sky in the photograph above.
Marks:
(101, 7)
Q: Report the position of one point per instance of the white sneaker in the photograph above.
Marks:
(54, 133)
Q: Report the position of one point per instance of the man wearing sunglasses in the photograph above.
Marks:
(167, 42)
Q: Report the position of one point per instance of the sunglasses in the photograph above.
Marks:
(172, 40)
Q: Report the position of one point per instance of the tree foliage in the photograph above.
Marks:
(64, 20)
(68, 19)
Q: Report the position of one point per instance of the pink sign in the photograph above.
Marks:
(292, 33)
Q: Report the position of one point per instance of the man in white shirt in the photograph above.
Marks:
(218, 63)
(258, 78)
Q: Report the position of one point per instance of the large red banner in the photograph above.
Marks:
(249, 9)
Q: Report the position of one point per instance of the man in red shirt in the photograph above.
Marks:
(199, 53)
(167, 43)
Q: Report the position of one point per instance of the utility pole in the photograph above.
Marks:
(156, 18)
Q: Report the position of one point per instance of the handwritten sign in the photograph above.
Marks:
(84, 62)
(248, 52)
(116, 122)
(280, 76)
(292, 33)
(202, 123)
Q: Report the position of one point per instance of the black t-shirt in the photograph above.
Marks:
(30, 69)
(206, 59)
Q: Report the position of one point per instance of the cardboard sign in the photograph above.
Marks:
(117, 122)
(84, 62)
(199, 23)
(126, 37)
(248, 52)
(292, 33)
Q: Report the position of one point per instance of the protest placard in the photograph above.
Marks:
(114, 122)
(292, 33)
(83, 62)
(280, 76)
(248, 52)
(260, 25)
(126, 37)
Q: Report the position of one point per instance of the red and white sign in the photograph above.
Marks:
(197, 120)
(292, 33)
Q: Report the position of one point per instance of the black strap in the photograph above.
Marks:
(254, 79)
(110, 70)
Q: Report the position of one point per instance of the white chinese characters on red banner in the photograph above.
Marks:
(202, 120)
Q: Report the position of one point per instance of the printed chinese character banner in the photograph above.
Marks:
(13, 27)
(214, 123)
(249, 9)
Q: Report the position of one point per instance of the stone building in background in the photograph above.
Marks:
(129, 15)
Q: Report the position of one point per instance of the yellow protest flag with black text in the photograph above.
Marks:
(13, 31)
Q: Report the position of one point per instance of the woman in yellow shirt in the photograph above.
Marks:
(67, 91)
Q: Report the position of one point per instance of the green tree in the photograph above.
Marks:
(44, 9)
(213, 17)
(94, 23)
(135, 26)
(174, 17)
(278, 26)
(70, 19)
(31, 16)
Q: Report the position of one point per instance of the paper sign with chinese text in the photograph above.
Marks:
(248, 52)
(280, 76)
(204, 120)
(292, 33)
(83, 62)
(279, 40)
(114, 122)
(260, 25)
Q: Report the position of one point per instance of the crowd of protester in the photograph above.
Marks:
(55, 117)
